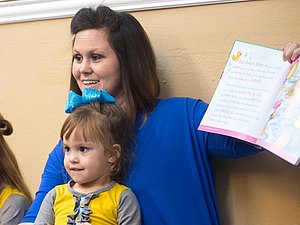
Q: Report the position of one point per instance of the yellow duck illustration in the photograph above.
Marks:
(237, 56)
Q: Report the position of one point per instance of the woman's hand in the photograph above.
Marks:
(291, 52)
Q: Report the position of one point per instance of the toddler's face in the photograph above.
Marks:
(86, 162)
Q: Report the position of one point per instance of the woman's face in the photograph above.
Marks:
(95, 64)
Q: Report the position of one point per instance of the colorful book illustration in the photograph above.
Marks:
(258, 100)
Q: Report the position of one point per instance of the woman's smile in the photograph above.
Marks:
(95, 63)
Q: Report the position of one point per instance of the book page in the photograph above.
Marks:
(246, 92)
(281, 132)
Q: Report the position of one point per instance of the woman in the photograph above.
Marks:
(171, 173)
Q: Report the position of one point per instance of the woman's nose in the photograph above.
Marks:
(85, 67)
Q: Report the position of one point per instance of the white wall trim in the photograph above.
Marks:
(30, 10)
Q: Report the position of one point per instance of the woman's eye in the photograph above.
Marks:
(96, 57)
(77, 58)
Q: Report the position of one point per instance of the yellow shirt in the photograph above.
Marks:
(13, 205)
(104, 205)
(8, 191)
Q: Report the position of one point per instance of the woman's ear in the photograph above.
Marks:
(115, 154)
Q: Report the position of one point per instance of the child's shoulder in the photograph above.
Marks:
(10, 190)
(118, 187)
(60, 189)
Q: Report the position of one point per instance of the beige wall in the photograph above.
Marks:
(192, 45)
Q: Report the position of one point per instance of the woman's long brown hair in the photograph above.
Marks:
(10, 173)
(136, 56)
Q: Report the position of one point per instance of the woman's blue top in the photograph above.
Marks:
(171, 173)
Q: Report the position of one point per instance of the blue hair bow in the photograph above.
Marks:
(88, 95)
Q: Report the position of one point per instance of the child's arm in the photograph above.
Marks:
(129, 209)
(46, 213)
(13, 209)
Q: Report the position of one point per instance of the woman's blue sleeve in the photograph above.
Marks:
(221, 146)
(54, 174)
(217, 145)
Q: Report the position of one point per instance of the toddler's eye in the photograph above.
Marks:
(66, 149)
(83, 149)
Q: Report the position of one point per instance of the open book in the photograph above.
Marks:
(258, 100)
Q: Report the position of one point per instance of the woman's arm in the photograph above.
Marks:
(221, 146)
(54, 174)
(217, 145)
